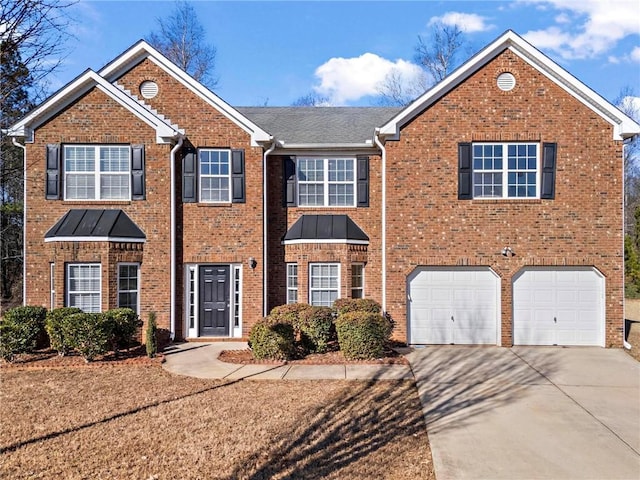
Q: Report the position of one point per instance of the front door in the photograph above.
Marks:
(214, 301)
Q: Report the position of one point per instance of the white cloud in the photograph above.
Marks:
(467, 22)
(595, 27)
(635, 54)
(345, 80)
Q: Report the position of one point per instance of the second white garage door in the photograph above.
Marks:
(558, 306)
(453, 305)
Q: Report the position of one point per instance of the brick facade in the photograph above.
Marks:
(427, 224)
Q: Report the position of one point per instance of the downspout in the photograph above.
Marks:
(625, 344)
(376, 139)
(265, 277)
(24, 219)
(174, 150)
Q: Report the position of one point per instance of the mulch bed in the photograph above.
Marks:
(391, 357)
(49, 359)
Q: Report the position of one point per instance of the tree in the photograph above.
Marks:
(15, 80)
(181, 38)
(437, 56)
(38, 29)
(630, 105)
(311, 99)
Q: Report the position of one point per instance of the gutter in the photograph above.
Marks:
(174, 150)
(376, 139)
(24, 218)
(265, 277)
(625, 344)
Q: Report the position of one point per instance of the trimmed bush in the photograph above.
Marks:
(289, 313)
(272, 340)
(20, 329)
(151, 341)
(90, 334)
(123, 325)
(59, 330)
(347, 305)
(316, 328)
(362, 335)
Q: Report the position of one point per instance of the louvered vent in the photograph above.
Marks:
(506, 81)
(148, 89)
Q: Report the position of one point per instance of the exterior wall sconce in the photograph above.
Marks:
(508, 252)
(252, 263)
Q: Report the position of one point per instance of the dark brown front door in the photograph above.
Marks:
(214, 301)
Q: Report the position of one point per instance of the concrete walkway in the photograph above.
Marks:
(530, 412)
(201, 360)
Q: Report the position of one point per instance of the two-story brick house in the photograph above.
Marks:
(489, 211)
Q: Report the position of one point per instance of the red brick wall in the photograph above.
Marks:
(428, 225)
(96, 118)
(225, 233)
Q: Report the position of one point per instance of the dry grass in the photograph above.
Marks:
(141, 422)
(633, 338)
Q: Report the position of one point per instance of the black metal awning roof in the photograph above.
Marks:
(95, 225)
(325, 229)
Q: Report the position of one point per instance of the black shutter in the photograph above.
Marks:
(289, 197)
(465, 172)
(548, 187)
(363, 181)
(189, 177)
(137, 172)
(237, 177)
(52, 187)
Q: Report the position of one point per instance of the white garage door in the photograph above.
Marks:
(453, 305)
(558, 306)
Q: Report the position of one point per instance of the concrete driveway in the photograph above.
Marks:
(530, 412)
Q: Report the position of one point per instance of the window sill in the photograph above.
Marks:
(208, 205)
(529, 201)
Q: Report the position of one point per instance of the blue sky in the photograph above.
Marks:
(275, 52)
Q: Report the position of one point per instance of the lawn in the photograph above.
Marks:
(633, 337)
(141, 422)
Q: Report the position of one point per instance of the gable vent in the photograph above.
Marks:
(148, 89)
(506, 81)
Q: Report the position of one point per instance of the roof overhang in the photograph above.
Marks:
(624, 126)
(81, 85)
(95, 225)
(142, 50)
(321, 229)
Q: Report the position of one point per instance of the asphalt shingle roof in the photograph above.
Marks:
(320, 125)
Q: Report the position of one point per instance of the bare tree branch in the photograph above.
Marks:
(181, 38)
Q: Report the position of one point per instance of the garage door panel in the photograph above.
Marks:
(558, 306)
(462, 304)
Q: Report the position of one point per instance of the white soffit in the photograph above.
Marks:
(75, 90)
(624, 126)
(142, 50)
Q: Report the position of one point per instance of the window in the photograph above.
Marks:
(237, 301)
(128, 286)
(84, 286)
(97, 172)
(292, 283)
(324, 283)
(215, 174)
(503, 170)
(191, 296)
(357, 280)
(326, 182)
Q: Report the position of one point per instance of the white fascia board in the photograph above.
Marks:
(143, 50)
(95, 239)
(75, 90)
(330, 240)
(624, 125)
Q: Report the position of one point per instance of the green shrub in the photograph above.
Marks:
(58, 329)
(347, 305)
(362, 335)
(90, 334)
(289, 313)
(151, 341)
(123, 325)
(316, 328)
(272, 340)
(20, 330)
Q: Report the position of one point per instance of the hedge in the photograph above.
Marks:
(20, 329)
(362, 335)
(272, 340)
(123, 324)
(347, 305)
(90, 334)
(316, 328)
(59, 330)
